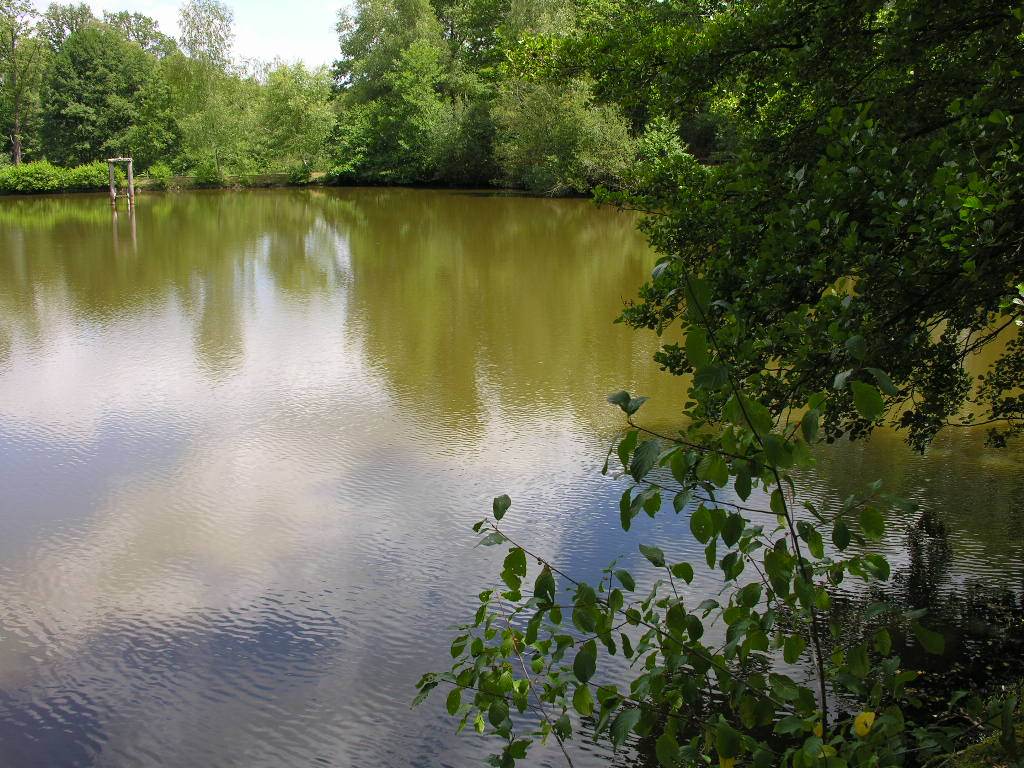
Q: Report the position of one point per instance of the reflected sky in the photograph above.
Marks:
(243, 436)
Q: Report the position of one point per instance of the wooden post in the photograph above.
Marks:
(113, 185)
(131, 183)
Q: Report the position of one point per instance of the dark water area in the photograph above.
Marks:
(243, 437)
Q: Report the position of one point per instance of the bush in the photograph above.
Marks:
(31, 178)
(207, 174)
(160, 175)
(298, 175)
(41, 177)
(86, 178)
(552, 137)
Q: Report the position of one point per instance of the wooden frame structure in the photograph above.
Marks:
(111, 163)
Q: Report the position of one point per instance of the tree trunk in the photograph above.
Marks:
(16, 133)
(16, 139)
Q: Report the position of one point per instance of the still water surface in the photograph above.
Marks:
(243, 438)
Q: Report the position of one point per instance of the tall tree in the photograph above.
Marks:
(297, 113)
(207, 31)
(21, 60)
(61, 20)
(94, 95)
(141, 29)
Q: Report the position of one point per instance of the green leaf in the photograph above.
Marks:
(809, 425)
(858, 662)
(544, 586)
(872, 523)
(620, 398)
(841, 535)
(491, 539)
(867, 400)
(517, 749)
(501, 505)
(644, 458)
(634, 405)
(777, 503)
(623, 724)
(654, 554)
(583, 700)
(714, 469)
(932, 642)
(681, 499)
(883, 380)
(727, 740)
(711, 377)
(732, 529)
(745, 412)
(683, 571)
(789, 725)
(701, 525)
(498, 712)
(666, 749)
(742, 482)
(626, 580)
(856, 346)
(697, 346)
(585, 663)
(626, 446)
(793, 648)
(454, 701)
(515, 562)
(883, 642)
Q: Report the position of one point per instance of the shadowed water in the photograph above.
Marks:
(243, 437)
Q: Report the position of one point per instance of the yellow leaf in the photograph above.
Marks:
(862, 723)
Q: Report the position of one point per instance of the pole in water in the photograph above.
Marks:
(113, 184)
(131, 183)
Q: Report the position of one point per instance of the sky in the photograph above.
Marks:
(264, 29)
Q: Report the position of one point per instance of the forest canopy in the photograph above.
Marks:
(421, 93)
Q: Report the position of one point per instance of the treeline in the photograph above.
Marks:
(75, 89)
(458, 92)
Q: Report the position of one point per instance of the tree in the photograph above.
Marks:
(97, 86)
(877, 178)
(552, 138)
(223, 136)
(63, 19)
(394, 72)
(21, 60)
(298, 114)
(207, 31)
(143, 30)
(860, 238)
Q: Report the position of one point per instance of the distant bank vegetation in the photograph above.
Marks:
(423, 92)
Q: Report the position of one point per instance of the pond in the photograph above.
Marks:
(244, 435)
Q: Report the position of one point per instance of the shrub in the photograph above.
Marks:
(160, 175)
(41, 177)
(298, 175)
(92, 176)
(207, 174)
(31, 178)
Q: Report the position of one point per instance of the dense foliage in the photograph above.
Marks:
(75, 89)
(854, 248)
(423, 92)
(42, 177)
